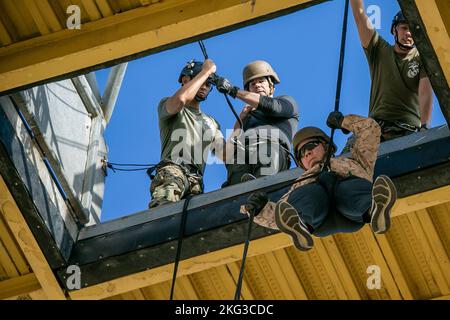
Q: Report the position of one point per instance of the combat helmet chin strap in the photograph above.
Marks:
(200, 99)
(403, 46)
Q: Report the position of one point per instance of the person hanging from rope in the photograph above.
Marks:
(262, 146)
(323, 202)
(186, 134)
(401, 97)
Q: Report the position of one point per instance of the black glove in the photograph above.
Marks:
(334, 121)
(256, 202)
(223, 85)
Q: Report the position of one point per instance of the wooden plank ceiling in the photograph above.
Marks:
(414, 258)
(26, 19)
(36, 45)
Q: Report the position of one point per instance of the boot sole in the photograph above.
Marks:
(384, 196)
(287, 220)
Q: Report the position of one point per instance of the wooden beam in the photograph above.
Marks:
(104, 8)
(18, 286)
(432, 17)
(189, 266)
(5, 38)
(13, 249)
(421, 201)
(91, 9)
(49, 15)
(24, 237)
(394, 267)
(40, 22)
(129, 35)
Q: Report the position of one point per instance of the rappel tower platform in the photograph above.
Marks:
(52, 119)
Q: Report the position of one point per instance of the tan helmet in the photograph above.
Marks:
(307, 133)
(257, 69)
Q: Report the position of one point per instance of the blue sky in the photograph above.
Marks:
(302, 47)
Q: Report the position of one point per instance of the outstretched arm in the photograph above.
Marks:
(188, 91)
(365, 28)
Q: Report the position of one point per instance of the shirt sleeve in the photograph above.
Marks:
(376, 44)
(367, 134)
(162, 111)
(282, 107)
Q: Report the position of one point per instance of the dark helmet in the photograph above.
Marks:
(307, 133)
(191, 69)
(399, 18)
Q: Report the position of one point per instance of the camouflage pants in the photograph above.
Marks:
(171, 183)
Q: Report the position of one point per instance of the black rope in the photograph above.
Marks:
(234, 111)
(339, 82)
(237, 294)
(203, 48)
(117, 167)
(180, 242)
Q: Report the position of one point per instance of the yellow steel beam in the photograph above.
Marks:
(24, 237)
(151, 28)
(18, 286)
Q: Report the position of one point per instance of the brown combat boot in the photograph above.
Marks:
(288, 221)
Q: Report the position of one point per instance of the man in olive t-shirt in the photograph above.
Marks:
(401, 96)
(187, 135)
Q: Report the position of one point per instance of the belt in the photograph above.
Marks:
(393, 125)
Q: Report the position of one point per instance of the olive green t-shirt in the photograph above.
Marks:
(395, 82)
(187, 136)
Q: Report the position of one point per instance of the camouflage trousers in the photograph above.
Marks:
(171, 183)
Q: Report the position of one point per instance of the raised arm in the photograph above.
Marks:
(365, 28)
(425, 100)
(188, 91)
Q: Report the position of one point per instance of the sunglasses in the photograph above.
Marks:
(307, 147)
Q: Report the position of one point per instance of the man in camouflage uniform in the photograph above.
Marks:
(262, 146)
(401, 97)
(324, 202)
(187, 134)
